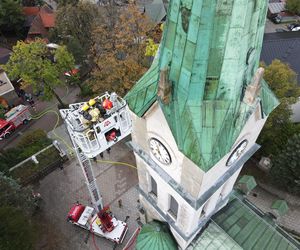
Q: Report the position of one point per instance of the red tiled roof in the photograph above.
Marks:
(37, 27)
(44, 19)
(46, 9)
(48, 19)
(31, 11)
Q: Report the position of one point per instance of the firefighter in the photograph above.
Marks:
(86, 117)
(94, 111)
(107, 104)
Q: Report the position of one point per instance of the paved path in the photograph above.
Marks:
(62, 188)
(271, 27)
(264, 196)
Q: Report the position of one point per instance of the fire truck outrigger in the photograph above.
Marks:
(95, 126)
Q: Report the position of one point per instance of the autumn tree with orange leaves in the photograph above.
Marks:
(119, 49)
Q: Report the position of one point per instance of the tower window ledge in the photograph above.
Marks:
(172, 215)
(153, 196)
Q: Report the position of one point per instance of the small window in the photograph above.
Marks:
(153, 187)
(173, 210)
(202, 213)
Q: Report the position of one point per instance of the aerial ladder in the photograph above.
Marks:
(94, 127)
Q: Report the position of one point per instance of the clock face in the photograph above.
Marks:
(159, 151)
(237, 152)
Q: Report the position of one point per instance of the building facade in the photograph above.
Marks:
(198, 111)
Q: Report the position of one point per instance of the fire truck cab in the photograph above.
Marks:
(14, 118)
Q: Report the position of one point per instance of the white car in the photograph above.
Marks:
(296, 28)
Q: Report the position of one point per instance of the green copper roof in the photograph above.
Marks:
(214, 238)
(249, 230)
(155, 236)
(210, 51)
(246, 183)
(281, 207)
(143, 94)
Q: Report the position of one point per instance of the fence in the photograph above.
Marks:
(37, 166)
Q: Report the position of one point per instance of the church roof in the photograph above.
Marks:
(155, 235)
(237, 226)
(210, 54)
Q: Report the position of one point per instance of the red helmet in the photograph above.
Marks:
(107, 104)
(111, 136)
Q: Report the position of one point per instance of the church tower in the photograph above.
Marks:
(198, 111)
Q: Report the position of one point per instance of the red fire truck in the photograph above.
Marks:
(103, 223)
(14, 118)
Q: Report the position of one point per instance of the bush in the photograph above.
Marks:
(16, 231)
(293, 6)
(30, 168)
(285, 172)
(31, 143)
(86, 91)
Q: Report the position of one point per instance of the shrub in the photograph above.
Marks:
(31, 143)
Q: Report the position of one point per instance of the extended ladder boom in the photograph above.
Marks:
(87, 168)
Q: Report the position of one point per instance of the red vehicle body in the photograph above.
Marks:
(102, 224)
(14, 118)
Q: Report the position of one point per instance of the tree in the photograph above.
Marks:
(293, 6)
(11, 16)
(16, 231)
(40, 67)
(74, 27)
(2, 112)
(119, 49)
(31, 3)
(285, 171)
(13, 195)
(279, 128)
(66, 2)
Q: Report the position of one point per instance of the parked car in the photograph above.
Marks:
(276, 19)
(280, 30)
(294, 26)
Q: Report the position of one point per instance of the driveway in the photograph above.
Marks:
(62, 188)
(271, 27)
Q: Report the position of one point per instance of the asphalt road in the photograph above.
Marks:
(15, 136)
(46, 122)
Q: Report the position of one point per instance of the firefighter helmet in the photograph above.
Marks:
(107, 104)
(92, 102)
(85, 107)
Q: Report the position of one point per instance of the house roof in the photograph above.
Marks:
(37, 27)
(155, 235)
(247, 228)
(281, 206)
(48, 20)
(31, 11)
(45, 18)
(240, 226)
(284, 46)
(208, 66)
(155, 10)
(248, 181)
(213, 237)
(275, 8)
